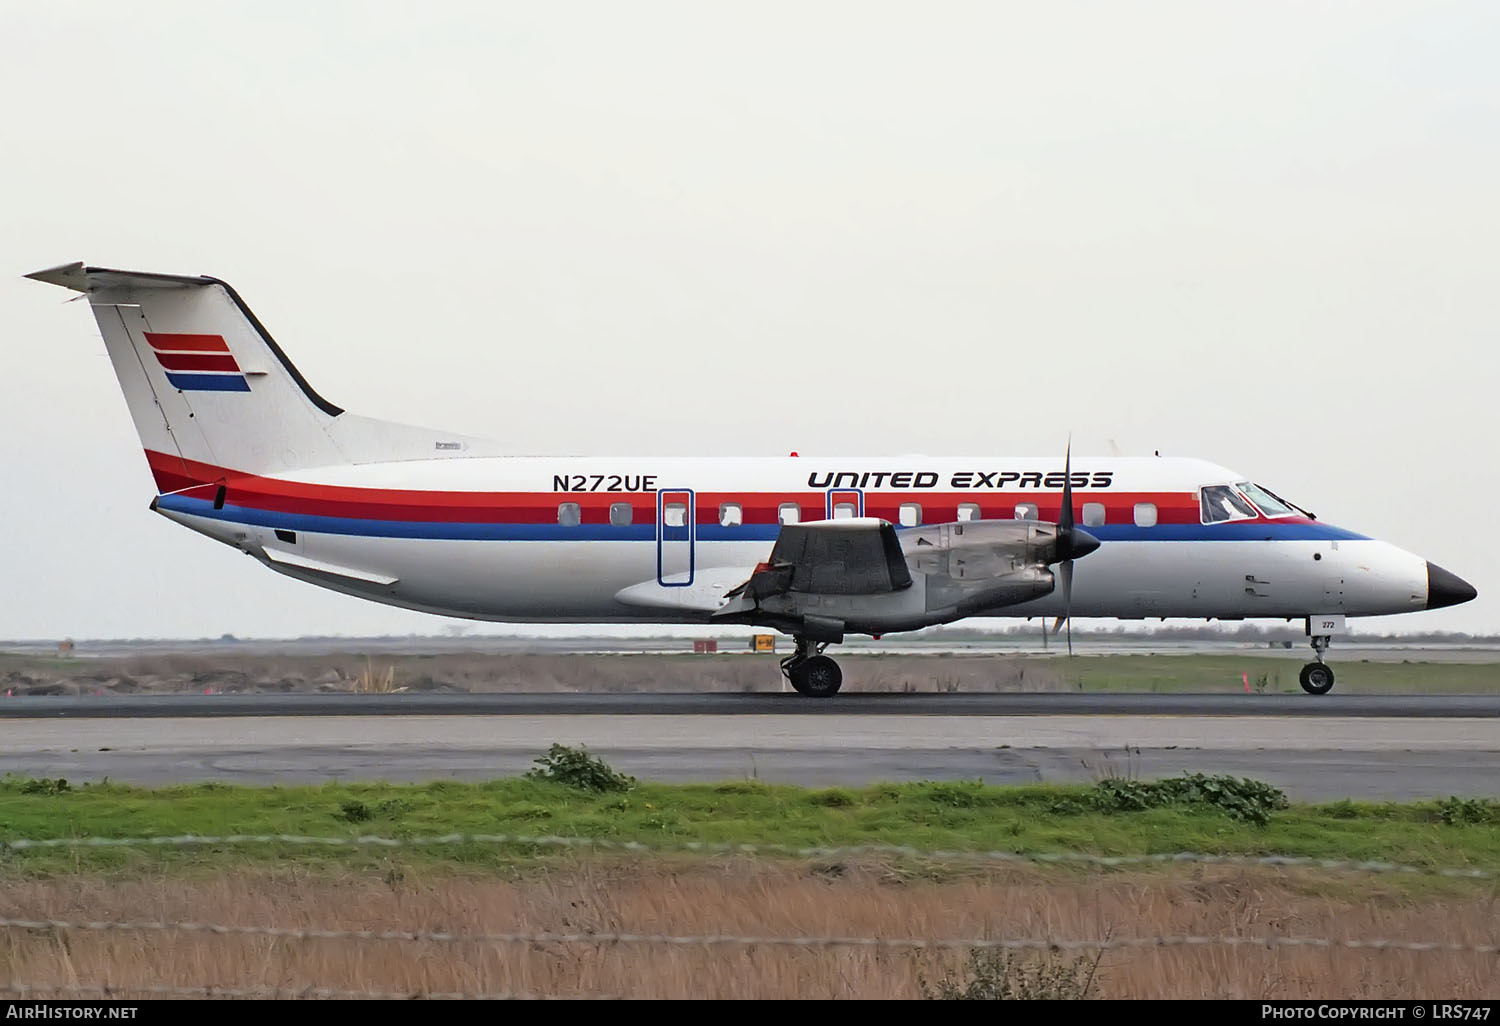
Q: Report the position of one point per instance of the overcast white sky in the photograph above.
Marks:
(1262, 233)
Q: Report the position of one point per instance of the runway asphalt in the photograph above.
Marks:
(753, 703)
(1370, 747)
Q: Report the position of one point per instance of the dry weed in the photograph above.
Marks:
(741, 897)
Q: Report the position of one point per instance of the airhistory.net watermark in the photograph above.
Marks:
(45, 1010)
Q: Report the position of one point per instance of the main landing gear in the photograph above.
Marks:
(810, 671)
(1317, 678)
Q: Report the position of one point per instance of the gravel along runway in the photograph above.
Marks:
(1398, 748)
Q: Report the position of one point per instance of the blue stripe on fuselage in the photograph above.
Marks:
(1241, 531)
(1237, 531)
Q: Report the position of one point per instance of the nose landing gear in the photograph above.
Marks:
(1317, 678)
(810, 671)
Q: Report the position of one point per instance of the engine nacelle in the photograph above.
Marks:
(979, 549)
(957, 570)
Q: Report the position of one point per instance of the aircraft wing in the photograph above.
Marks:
(857, 556)
(833, 557)
(830, 577)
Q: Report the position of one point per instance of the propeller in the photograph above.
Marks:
(1072, 543)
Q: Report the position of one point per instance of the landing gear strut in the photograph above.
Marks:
(1317, 678)
(810, 671)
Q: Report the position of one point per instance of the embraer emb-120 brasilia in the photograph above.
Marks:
(244, 451)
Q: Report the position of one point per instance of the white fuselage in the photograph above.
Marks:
(535, 539)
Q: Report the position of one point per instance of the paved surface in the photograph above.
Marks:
(1316, 757)
(757, 703)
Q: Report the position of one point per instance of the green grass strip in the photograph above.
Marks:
(1107, 819)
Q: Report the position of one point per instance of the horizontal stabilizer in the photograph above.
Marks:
(79, 278)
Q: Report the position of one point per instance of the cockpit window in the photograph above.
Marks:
(1221, 502)
(1269, 504)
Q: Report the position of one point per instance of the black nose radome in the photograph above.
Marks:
(1445, 589)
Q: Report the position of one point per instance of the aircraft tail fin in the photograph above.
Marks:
(210, 391)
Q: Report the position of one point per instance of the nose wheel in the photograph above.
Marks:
(1317, 678)
(810, 672)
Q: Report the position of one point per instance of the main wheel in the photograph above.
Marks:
(820, 677)
(1317, 679)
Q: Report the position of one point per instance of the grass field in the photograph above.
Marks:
(464, 890)
(620, 673)
(747, 897)
(1102, 819)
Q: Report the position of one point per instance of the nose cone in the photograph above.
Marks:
(1445, 589)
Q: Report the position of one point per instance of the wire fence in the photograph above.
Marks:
(717, 848)
(584, 941)
(117, 990)
(1269, 941)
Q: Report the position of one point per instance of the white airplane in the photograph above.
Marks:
(244, 451)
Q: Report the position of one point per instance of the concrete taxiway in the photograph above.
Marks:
(754, 704)
(1361, 746)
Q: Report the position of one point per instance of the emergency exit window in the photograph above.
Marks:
(1145, 514)
(674, 514)
(910, 514)
(569, 515)
(620, 513)
(843, 511)
(730, 514)
(789, 513)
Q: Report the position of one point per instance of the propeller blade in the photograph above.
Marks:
(1072, 541)
(1065, 517)
(1066, 569)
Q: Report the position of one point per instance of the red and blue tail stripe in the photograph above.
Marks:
(197, 363)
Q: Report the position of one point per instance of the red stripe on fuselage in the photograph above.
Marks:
(187, 343)
(272, 494)
(197, 362)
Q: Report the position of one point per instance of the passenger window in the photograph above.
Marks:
(789, 513)
(968, 511)
(620, 513)
(1145, 514)
(1025, 511)
(568, 514)
(910, 514)
(1221, 502)
(731, 515)
(843, 510)
(1093, 514)
(674, 514)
